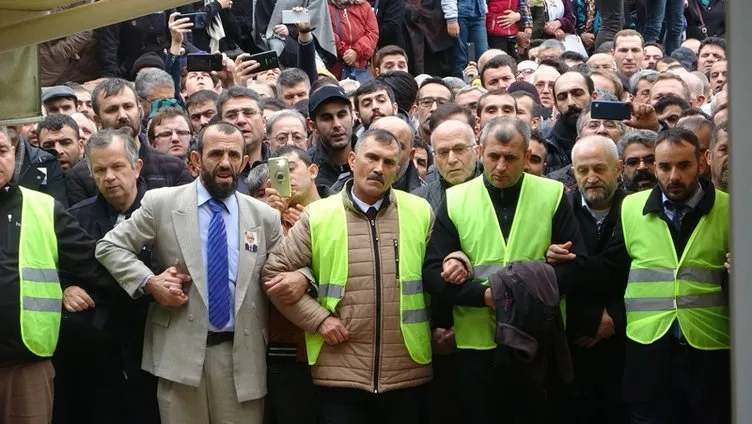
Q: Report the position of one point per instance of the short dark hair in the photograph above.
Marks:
(668, 60)
(695, 111)
(558, 64)
(605, 47)
(274, 104)
(372, 87)
(200, 97)
(389, 50)
(291, 77)
(443, 112)
(671, 76)
(166, 113)
(723, 126)
(223, 127)
(234, 93)
(498, 128)
(437, 81)
(670, 100)
(628, 33)
(537, 135)
(500, 61)
(323, 81)
(537, 107)
(677, 136)
(110, 87)
(613, 78)
(288, 150)
(403, 86)
(570, 55)
(588, 82)
(378, 135)
(712, 41)
(497, 92)
(56, 122)
(582, 68)
(658, 46)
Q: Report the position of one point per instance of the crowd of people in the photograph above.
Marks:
(468, 237)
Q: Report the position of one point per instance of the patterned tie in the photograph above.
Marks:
(217, 272)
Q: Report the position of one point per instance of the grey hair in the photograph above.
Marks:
(147, 80)
(503, 129)
(552, 43)
(105, 138)
(107, 88)
(586, 114)
(280, 114)
(291, 77)
(606, 142)
(704, 79)
(257, 178)
(645, 137)
(454, 83)
(380, 136)
(696, 123)
(467, 128)
(469, 89)
(4, 131)
(645, 74)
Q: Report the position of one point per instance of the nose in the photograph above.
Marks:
(122, 114)
(109, 175)
(204, 121)
(175, 138)
(434, 106)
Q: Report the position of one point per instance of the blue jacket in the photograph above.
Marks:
(581, 13)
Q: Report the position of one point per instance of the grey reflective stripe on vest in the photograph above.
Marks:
(484, 271)
(669, 303)
(42, 304)
(335, 291)
(663, 275)
(414, 316)
(40, 275)
(412, 287)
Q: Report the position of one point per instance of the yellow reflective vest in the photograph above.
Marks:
(663, 287)
(330, 266)
(470, 209)
(40, 292)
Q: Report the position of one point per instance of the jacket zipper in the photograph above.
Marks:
(377, 280)
(10, 239)
(349, 26)
(396, 260)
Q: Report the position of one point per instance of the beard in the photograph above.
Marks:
(643, 180)
(208, 178)
(572, 114)
(402, 171)
(597, 198)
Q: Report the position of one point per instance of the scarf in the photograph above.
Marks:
(590, 16)
(215, 30)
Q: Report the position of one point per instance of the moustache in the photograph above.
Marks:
(676, 186)
(644, 175)
(596, 185)
(376, 177)
(573, 111)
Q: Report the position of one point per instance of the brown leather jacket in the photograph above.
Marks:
(352, 364)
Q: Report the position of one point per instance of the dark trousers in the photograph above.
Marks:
(598, 379)
(494, 392)
(442, 396)
(692, 385)
(353, 406)
(288, 379)
(507, 44)
(612, 20)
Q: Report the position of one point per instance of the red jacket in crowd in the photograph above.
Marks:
(355, 27)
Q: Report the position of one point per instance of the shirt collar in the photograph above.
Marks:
(204, 196)
(598, 215)
(363, 205)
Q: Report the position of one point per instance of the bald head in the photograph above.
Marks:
(599, 144)
(696, 88)
(488, 55)
(602, 61)
(404, 134)
(453, 130)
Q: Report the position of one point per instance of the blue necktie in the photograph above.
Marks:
(217, 272)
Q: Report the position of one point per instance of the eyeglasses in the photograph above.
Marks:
(429, 101)
(458, 150)
(649, 160)
(609, 125)
(168, 134)
(295, 137)
(247, 113)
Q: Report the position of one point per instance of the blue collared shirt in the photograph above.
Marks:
(363, 205)
(232, 227)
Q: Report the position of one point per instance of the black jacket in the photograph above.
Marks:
(41, 171)
(445, 240)
(410, 181)
(159, 170)
(200, 37)
(435, 191)
(122, 43)
(564, 176)
(559, 145)
(646, 374)
(390, 15)
(329, 173)
(75, 255)
(714, 18)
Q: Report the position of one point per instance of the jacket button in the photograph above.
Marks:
(247, 332)
(190, 317)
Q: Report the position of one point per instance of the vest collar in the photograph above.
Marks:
(655, 200)
(350, 203)
(510, 193)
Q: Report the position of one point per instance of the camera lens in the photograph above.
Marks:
(280, 176)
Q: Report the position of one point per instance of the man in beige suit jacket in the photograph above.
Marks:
(206, 374)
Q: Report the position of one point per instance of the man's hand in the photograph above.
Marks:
(551, 27)
(454, 271)
(350, 57)
(509, 18)
(488, 299)
(304, 35)
(443, 342)
(75, 299)
(292, 214)
(560, 253)
(167, 287)
(288, 287)
(276, 201)
(643, 118)
(727, 264)
(523, 37)
(244, 69)
(178, 27)
(281, 31)
(588, 39)
(471, 71)
(605, 330)
(333, 331)
(453, 29)
(227, 74)
(226, 4)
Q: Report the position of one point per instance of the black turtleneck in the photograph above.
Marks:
(563, 137)
(445, 240)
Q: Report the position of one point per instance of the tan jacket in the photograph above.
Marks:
(353, 363)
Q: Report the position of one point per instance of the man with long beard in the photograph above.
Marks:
(637, 153)
(718, 157)
(573, 92)
(202, 339)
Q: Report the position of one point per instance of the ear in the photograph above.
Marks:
(81, 147)
(395, 106)
(97, 121)
(311, 126)
(351, 159)
(412, 153)
(619, 167)
(313, 171)
(594, 96)
(612, 52)
(700, 100)
(246, 158)
(139, 166)
(708, 157)
(414, 109)
(535, 122)
(196, 159)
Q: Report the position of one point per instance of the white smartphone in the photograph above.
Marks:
(293, 17)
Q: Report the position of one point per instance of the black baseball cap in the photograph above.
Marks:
(324, 95)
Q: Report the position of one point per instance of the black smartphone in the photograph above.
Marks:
(267, 60)
(198, 19)
(204, 62)
(612, 111)
(471, 52)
